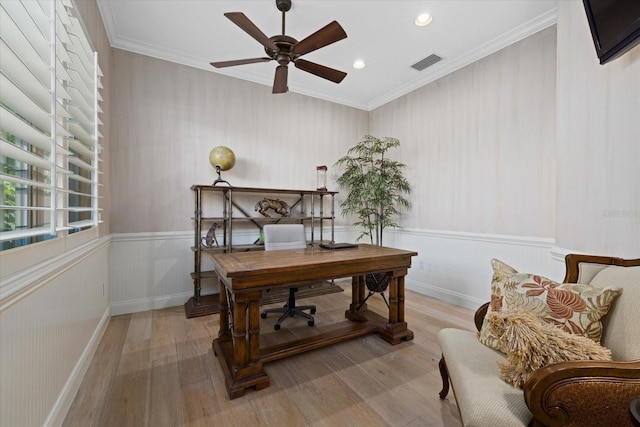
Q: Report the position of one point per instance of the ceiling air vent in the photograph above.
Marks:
(426, 62)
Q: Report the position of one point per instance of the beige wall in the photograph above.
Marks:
(598, 134)
(480, 143)
(167, 117)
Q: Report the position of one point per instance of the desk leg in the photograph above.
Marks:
(357, 296)
(396, 330)
(357, 293)
(240, 358)
(224, 334)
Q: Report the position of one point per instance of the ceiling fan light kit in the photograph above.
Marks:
(285, 49)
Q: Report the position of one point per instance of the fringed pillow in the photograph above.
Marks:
(576, 308)
(531, 344)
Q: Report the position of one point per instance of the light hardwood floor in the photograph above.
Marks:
(157, 368)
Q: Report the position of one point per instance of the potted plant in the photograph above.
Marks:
(376, 190)
(375, 185)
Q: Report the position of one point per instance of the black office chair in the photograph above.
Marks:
(287, 236)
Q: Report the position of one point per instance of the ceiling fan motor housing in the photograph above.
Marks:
(284, 54)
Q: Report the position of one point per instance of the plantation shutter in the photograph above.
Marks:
(82, 109)
(49, 98)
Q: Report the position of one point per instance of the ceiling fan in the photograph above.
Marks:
(285, 49)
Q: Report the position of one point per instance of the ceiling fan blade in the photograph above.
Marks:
(335, 76)
(222, 64)
(326, 35)
(280, 79)
(250, 28)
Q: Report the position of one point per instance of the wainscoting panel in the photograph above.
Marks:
(152, 270)
(49, 331)
(456, 267)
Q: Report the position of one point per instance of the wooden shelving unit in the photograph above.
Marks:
(234, 211)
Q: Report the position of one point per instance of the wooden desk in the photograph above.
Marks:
(246, 274)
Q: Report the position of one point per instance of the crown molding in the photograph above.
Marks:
(449, 65)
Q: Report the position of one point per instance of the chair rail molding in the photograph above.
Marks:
(19, 285)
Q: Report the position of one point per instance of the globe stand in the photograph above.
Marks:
(219, 179)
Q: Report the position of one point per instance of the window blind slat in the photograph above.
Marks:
(61, 31)
(12, 151)
(80, 148)
(26, 208)
(81, 134)
(23, 233)
(18, 127)
(83, 224)
(87, 195)
(81, 178)
(39, 16)
(80, 101)
(61, 72)
(85, 121)
(18, 42)
(79, 67)
(16, 71)
(24, 181)
(81, 164)
(23, 105)
(20, 16)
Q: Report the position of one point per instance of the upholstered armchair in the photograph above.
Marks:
(576, 394)
(593, 393)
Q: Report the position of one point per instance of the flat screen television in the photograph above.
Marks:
(615, 26)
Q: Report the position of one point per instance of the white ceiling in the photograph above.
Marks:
(382, 33)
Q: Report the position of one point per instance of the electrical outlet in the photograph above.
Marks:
(429, 267)
(421, 265)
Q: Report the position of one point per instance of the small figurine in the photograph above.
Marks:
(276, 204)
(210, 241)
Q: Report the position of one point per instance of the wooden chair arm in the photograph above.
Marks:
(584, 393)
(480, 313)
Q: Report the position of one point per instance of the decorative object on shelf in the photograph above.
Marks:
(321, 178)
(222, 159)
(376, 189)
(210, 241)
(277, 205)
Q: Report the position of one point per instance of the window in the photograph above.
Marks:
(49, 107)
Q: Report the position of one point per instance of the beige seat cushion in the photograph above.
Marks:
(622, 324)
(484, 399)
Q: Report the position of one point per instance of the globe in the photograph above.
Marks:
(222, 157)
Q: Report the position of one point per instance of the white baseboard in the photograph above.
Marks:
(445, 295)
(151, 303)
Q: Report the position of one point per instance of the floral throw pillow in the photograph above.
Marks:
(572, 307)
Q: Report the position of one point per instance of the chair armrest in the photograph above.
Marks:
(583, 393)
(480, 313)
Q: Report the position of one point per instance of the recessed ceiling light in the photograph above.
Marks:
(359, 64)
(423, 20)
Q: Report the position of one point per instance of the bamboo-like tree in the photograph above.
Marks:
(375, 184)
